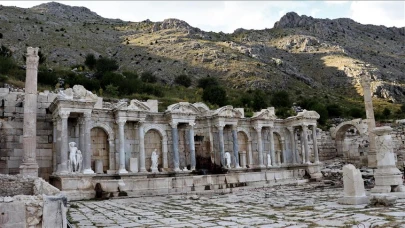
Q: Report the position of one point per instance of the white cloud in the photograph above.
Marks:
(336, 2)
(379, 13)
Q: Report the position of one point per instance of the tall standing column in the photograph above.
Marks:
(192, 146)
(221, 143)
(315, 144)
(272, 151)
(175, 139)
(293, 149)
(235, 146)
(250, 156)
(121, 137)
(141, 147)
(81, 135)
(305, 139)
(63, 133)
(260, 145)
(29, 165)
(368, 103)
(87, 144)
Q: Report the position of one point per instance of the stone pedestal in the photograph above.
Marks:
(387, 176)
(133, 165)
(98, 164)
(243, 159)
(354, 192)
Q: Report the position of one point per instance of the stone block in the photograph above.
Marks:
(353, 183)
(13, 213)
(42, 97)
(98, 166)
(54, 211)
(133, 165)
(51, 97)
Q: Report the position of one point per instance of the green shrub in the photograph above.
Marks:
(106, 65)
(112, 90)
(334, 110)
(5, 52)
(183, 80)
(281, 99)
(215, 95)
(46, 77)
(147, 76)
(259, 100)
(90, 61)
(207, 82)
(6, 64)
(386, 113)
(111, 78)
(130, 75)
(284, 112)
(356, 113)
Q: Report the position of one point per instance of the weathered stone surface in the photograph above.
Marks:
(354, 192)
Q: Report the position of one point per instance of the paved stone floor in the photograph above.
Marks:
(309, 205)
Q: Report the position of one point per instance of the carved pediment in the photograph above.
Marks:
(78, 92)
(137, 106)
(201, 106)
(265, 114)
(183, 108)
(308, 114)
(228, 111)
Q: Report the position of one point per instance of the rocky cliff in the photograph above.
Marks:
(299, 53)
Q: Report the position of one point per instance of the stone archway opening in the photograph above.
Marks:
(351, 145)
(99, 148)
(243, 148)
(153, 140)
(278, 149)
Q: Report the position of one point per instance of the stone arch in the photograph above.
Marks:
(111, 145)
(164, 142)
(100, 149)
(338, 133)
(153, 141)
(278, 147)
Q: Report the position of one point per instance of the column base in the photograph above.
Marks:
(192, 168)
(177, 169)
(154, 170)
(62, 169)
(122, 171)
(88, 171)
(29, 169)
(143, 170)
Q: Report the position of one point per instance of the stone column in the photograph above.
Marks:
(305, 140)
(192, 146)
(55, 145)
(243, 159)
(272, 151)
(221, 143)
(175, 139)
(260, 145)
(142, 167)
(29, 165)
(121, 137)
(235, 146)
(368, 103)
(87, 144)
(63, 132)
(315, 144)
(293, 149)
(250, 155)
(283, 152)
(81, 136)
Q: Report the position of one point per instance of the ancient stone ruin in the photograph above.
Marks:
(353, 183)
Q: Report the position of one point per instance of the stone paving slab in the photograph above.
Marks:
(287, 206)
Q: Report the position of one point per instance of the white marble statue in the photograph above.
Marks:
(227, 160)
(268, 160)
(75, 158)
(154, 159)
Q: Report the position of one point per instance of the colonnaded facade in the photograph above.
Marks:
(82, 140)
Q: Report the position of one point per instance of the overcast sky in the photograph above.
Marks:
(227, 16)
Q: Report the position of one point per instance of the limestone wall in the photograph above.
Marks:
(16, 185)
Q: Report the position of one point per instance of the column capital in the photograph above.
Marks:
(258, 128)
(64, 114)
(234, 127)
(304, 126)
(173, 124)
(291, 129)
(121, 121)
(365, 80)
(220, 126)
(141, 122)
(191, 124)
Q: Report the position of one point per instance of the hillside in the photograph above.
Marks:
(300, 54)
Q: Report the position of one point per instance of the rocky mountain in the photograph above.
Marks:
(300, 53)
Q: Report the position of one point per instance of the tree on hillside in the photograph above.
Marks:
(106, 65)
(90, 61)
(183, 80)
(215, 95)
(207, 82)
(147, 76)
(281, 99)
(259, 100)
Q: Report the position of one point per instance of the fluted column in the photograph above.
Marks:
(192, 146)
(293, 149)
(272, 151)
(87, 144)
(220, 128)
(29, 165)
(121, 137)
(260, 145)
(142, 156)
(235, 146)
(315, 144)
(81, 135)
(175, 139)
(63, 168)
(305, 139)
